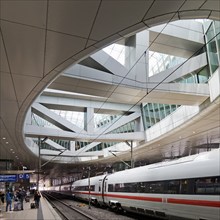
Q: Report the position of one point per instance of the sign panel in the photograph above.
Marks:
(14, 177)
(24, 176)
(8, 178)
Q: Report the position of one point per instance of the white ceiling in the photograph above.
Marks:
(39, 39)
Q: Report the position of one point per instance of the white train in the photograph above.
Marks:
(185, 188)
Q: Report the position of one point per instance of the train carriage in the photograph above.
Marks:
(89, 188)
(185, 188)
(188, 187)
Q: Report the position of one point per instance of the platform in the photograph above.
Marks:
(44, 212)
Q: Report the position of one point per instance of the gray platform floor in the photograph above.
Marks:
(45, 211)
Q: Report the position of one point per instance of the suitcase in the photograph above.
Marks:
(17, 206)
(33, 206)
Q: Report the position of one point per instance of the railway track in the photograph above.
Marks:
(67, 211)
(97, 213)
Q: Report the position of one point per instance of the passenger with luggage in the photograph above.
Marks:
(22, 192)
(20, 195)
(37, 198)
(17, 203)
(27, 197)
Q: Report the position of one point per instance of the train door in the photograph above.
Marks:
(100, 190)
(100, 187)
(164, 202)
(104, 188)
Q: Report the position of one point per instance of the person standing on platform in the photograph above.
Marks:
(21, 195)
(2, 200)
(2, 195)
(8, 200)
(37, 198)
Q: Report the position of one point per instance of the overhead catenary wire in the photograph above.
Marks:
(147, 91)
(150, 89)
(79, 151)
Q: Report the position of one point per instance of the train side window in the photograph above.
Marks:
(117, 187)
(173, 187)
(200, 186)
(208, 185)
(156, 187)
(184, 186)
(130, 187)
(126, 187)
(142, 187)
(217, 185)
(187, 186)
(80, 188)
(146, 187)
(110, 188)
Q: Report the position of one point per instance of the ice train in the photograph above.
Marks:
(185, 188)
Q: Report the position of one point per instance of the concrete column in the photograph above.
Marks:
(89, 120)
(28, 117)
(130, 54)
(139, 125)
(72, 146)
(136, 57)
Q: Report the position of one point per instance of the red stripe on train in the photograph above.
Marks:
(194, 202)
(152, 199)
(169, 200)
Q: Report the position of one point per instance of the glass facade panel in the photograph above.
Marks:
(213, 58)
(212, 40)
(159, 62)
(162, 112)
(203, 75)
(210, 33)
(154, 112)
(217, 30)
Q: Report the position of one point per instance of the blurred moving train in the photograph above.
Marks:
(185, 188)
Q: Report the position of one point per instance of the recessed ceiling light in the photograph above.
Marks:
(4, 138)
(6, 142)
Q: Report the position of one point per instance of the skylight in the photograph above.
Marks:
(116, 51)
